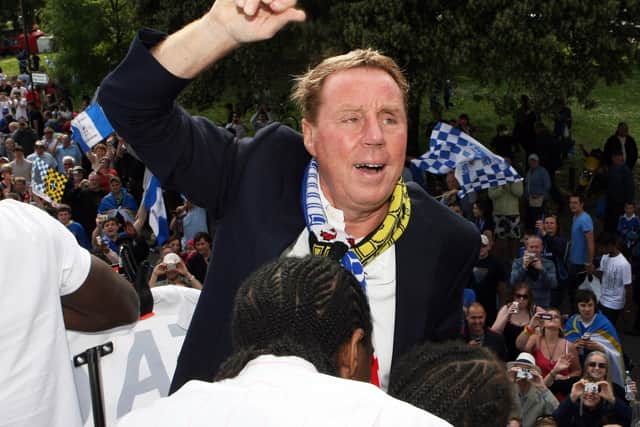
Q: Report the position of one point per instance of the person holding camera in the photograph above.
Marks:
(556, 357)
(592, 404)
(538, 272)
(590, 330)
(532, 397)
(514, 316)
(174, 272)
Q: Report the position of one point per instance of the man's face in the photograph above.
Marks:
(623, 131)
(359, 139)
(587, 310)
(629, 209)
(94, 182)
(550, 225)
(67, 164)
(39, 150)
(484, 251)
(110, 228)
(64, 217)
(9, 144)
(534, 245)
(116, 186)
(475, 319)
(575, 205)
(533, 163)
(203, 248)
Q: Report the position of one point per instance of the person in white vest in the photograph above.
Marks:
(60, 284)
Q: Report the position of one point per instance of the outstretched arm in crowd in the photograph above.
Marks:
(105, 300)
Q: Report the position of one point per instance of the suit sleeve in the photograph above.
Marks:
(187, 154)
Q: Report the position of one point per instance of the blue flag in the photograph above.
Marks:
(154, 202)
(90, 127)
(475, 166)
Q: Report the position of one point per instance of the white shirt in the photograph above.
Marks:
(616, 273)
(36, 380)
(280, 392)
(380, 275)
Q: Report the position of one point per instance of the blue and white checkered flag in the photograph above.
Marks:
(90, 127)
(476, 167)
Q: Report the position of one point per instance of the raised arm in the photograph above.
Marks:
(227, 25)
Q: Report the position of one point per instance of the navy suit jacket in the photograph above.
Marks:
(253, 189)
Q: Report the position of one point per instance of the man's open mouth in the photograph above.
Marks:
(370, 166)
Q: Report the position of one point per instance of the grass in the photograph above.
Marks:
(591, 127)
(10, 67)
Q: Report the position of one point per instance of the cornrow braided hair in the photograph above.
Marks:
(306, 307)
(464, 385)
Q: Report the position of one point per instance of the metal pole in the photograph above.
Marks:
(26, 46)
(91, 357)
(95, 379)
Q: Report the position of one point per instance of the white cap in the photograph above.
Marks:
(171, 258)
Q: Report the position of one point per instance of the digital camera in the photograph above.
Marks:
(586, 336)
(524, 374)
(591, 388)
(546, 316)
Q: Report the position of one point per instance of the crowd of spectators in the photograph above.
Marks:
(548, 299)
(101, 204)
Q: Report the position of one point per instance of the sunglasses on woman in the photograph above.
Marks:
(523, 296)
(596, 364)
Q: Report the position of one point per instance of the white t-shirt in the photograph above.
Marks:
(280, 392)
(380, 275)
(36, 379)
(616, 273)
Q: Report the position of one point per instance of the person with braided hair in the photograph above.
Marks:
(301, 333)
(335, 190)
(464, 385)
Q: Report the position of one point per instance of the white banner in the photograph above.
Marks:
(140, 369)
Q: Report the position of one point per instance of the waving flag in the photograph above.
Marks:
(604, 333)
(475, 166)
(90, 127)
(154, 203)
(47, 182)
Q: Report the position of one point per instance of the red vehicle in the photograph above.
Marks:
(12, 45)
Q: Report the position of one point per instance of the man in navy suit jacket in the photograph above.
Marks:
(354, 125)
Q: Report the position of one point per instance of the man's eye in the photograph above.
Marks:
(350, 119)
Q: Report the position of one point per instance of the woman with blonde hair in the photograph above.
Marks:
(557, 357)
(594, 399)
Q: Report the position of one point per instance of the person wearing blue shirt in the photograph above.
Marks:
(67, 149)
(117, 198)
(582, 248)
(65, 217)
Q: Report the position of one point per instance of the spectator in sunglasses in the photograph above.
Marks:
(596, 368)
(514, 316)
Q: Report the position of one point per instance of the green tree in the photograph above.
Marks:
(91, 36)
(549, 49)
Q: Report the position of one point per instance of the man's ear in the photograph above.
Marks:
(307, 133)
(349, 355)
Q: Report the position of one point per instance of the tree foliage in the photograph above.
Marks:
(545, 48)
(92, 36)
